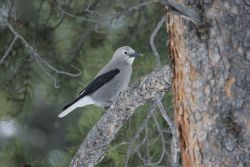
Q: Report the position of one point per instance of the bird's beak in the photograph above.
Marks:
(135, 54)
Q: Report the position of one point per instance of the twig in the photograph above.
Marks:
(59, 71)
(40, 60)
(116, 16)
(106, 129)
(111, 149)
(175, 138)
(138, 132)
(138, 6)
(4, 14)
(75, 16)
(8, 50)
(164, 150)
(116, 146)
(152, 38)
(51, 76)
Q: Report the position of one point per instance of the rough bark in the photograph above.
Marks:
(145, 90)
(211, 82)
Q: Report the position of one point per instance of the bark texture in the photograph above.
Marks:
(211, 66)
(145, 90)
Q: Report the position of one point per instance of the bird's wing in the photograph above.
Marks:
(104, 72)
(97, 83)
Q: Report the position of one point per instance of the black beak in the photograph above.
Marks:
(135, 54)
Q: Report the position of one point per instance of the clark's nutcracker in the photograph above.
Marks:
(108, 83)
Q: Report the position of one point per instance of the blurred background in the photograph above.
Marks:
(68, 42)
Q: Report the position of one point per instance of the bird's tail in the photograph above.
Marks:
(75, 104)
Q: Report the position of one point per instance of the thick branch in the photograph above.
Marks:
(145, 90)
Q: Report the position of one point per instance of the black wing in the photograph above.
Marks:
(97, 83)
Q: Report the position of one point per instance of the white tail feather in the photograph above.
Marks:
(80, 103)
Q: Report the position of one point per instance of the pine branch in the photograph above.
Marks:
(147, 89)
(39, 60)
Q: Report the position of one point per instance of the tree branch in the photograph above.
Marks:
(147, 89)
(35, 55)
(8, 50)
(142, 127)
(182, 10)
(175, 135)
(152, 39)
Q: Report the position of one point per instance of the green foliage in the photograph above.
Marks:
(15, 154)
(116, 157)
(28, 94)
(78, 131)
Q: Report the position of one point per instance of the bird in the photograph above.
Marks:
(112, 79)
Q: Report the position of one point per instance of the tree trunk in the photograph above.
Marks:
(211, 64)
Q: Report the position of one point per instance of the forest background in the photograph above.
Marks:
(68, 42)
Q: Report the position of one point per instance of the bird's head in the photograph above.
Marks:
(126, 54)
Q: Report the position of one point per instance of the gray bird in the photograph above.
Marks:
(108, 83)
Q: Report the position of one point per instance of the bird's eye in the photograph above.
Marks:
(125, 52)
